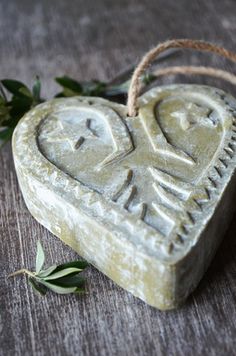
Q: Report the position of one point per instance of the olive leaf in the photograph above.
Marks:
(39, 288)
(62, 273)
(62, 279)
(4, 113)
(47, 272)
(15, 87)
(71, 281)
(5, 135)
(40, 257)
(58, 289)
(14, 105)
(81, 264)
(69, 85)
(36, 90)
(113, 90)
(94, 88)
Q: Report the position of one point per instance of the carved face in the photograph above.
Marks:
(145, 161)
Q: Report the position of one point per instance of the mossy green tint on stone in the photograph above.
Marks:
(145, 199)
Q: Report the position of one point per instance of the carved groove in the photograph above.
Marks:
(199, 205)
(163, 211)
(141, 211)
(190, 217)
(79, 142)
(218, 171)
(231, 147)
(208, 193)
(168, 198)
(124, 185)
(179, 239)
(213, 183)
(128, 196)
(228, 152)
(184, 229)
(174, 184)
(170, 248)
(88, 125)
(223, 162)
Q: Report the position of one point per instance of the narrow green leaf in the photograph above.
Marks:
(37, 89)
(67, 93)
(69, 83)
(93, 88)
(5, 135)
(37, 287)
(14, 87)
(81, 264)
(25, 92)
(79, 290)
(2, 101)
(70, 281)
(4, 110)
(19, 106)
(148, 78)
(120, 89)
(46, 272)
(59, 289)
(60, 95)
(40, 257)
(62, 273)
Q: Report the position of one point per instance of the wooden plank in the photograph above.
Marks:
(87, 40)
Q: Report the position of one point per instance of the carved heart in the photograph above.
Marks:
(142, 198)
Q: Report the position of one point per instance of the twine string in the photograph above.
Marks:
(135, 85)
(202, 70)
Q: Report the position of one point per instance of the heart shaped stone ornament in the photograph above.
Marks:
(145, 199)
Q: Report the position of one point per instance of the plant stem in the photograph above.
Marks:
(22, 271)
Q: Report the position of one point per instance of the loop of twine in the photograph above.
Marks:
(135, 84)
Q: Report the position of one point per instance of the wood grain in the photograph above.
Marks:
(97, 39)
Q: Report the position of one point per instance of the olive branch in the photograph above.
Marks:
(62, 279)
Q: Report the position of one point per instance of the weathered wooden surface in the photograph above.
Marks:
(86, 40)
